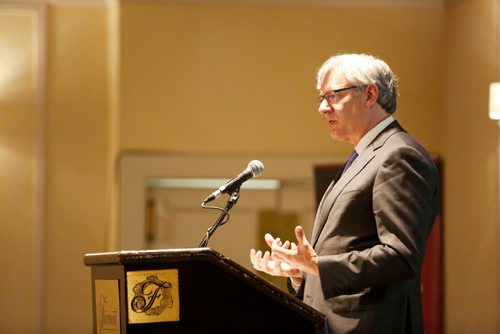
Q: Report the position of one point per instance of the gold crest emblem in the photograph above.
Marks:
(153, 296)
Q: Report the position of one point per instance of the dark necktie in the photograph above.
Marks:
(352, 157)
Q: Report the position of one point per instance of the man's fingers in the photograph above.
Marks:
(300, 235)
(276, 243)
(255, 257)
(269, 239)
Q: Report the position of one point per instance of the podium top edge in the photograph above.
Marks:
(134, 256)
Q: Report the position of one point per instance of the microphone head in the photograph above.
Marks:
(256, 167)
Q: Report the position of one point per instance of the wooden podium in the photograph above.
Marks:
(195, 290)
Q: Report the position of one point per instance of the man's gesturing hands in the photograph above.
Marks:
(286, 258)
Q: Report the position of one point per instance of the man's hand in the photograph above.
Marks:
(263, 261)
(301, 256)
(286, 259)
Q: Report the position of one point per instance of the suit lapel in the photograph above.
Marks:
(320, 210)
(338, 185)
(335, 190)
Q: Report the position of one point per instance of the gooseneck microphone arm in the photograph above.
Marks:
(222, 218)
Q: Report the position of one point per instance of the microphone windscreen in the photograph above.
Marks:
(256, 167)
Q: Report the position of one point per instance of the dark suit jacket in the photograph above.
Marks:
(370, 232)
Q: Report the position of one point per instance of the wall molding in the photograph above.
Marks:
(326, 3)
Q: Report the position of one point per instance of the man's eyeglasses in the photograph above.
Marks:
(331, 96)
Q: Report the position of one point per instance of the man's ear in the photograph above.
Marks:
(371, 95)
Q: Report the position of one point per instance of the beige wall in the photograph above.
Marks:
(20, 167)
(77, 136)
(470, 154)
(234, 78)
(241, 77)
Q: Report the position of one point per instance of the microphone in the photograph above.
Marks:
(254, 168)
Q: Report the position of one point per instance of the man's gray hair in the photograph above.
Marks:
(361, 70)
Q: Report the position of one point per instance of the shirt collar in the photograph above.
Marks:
(370, 135)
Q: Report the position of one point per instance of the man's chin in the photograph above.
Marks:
(336, 136)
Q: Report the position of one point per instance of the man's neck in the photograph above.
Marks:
(374, 132)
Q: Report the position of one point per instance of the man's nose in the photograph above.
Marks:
(324, 108)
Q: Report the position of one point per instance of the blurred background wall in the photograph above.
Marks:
(85, 82)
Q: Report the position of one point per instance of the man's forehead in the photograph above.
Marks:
(333, 79)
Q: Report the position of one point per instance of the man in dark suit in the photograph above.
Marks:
(362, 265)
